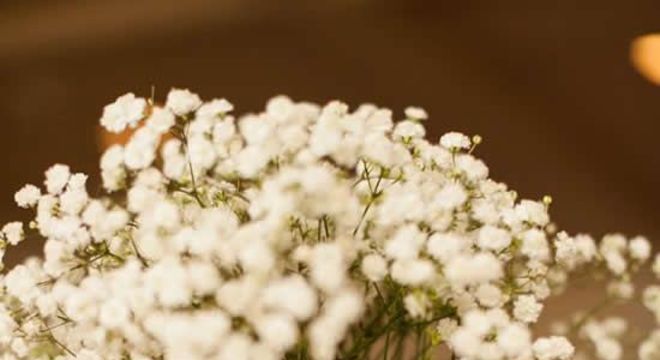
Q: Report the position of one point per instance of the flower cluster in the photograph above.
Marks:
(301, 232)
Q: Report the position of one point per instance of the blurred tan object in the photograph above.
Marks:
(645, 55)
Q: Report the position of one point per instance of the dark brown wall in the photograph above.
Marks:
(547, 84)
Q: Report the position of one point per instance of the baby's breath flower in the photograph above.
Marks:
(374, 267)
(125, 112)
(409, 130)
(446, 328)
(13, 232)
(553, 348)
(492, 238)
(489, 295)
(473, 269)
(514, 340)
(527, 309)
(57, 176)
(215, 107)
(416, 113)
(160, 120)
(27, 196)
(640, 248)
(182, 102)
(455, 141)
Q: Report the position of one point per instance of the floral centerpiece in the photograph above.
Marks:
(301, 232)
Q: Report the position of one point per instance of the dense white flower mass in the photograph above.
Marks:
(301, 232)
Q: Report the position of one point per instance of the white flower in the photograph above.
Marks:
(126, 111)
(489, 295)
(465, 343)
(13, 232)
(409, 129)
(473, 168)
(615, 262)
(237, 296)
(182, 102)
(280, 107)
(224, 131)
(204, 278)
(640, 248)
(169, 281)
(451, 196)
(473, 269)
(235, 346)
(412, 272)
(278, 331)
(73, 200)
(21, 284)
(417, 305)
(214, 108)
(114, 314)
(446, 246)
(160, 120)
(535, 245)
(492, 238)
(279, 295)
(515, 340)
(566, 250)
(405, 244)
(586, 247)
(251, 160)
(19, 347)
(455, 141)
(112, 158)
(553, 348)
(527, 309)
(57, 176)
(416, 113)
(446, 328)
(374, 267)
(328, 267)
(533, 212)
(140, 151)
(256, 257)
(27, 196)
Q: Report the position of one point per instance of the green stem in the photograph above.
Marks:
(387, 345)
(195, 193)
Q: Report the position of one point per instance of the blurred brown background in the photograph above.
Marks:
(549, 85)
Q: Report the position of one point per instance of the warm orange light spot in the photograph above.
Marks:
(645, 55)
(108, 139)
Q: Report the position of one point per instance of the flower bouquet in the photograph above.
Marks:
(301, 232)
